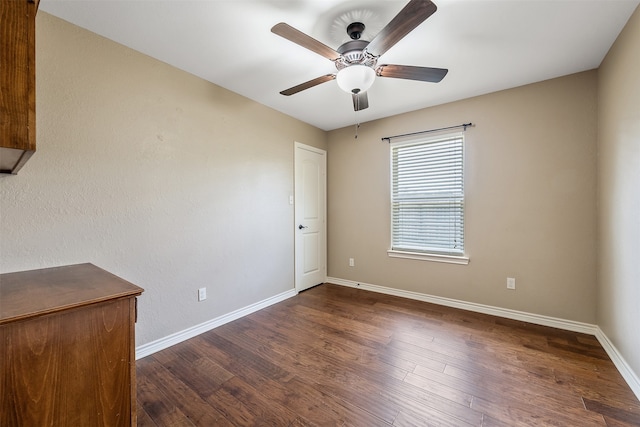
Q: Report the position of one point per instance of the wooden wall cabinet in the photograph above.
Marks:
(67, 348)
(17, 83)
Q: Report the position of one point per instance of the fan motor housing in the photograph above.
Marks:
(352, 52)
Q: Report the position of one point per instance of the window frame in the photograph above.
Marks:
(429, 254)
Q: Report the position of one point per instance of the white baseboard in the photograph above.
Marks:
(586, 328)
(623, 367)
(569, 325)
(155, 346)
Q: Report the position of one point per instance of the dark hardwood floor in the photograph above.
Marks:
(336, 356)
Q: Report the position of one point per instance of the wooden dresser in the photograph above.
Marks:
(67, 348)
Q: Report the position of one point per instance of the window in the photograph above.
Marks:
(427, 199)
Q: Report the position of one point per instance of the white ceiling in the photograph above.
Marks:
(487, 45)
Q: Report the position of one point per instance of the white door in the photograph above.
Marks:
(310, 216)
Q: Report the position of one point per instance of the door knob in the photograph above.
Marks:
(300, 227)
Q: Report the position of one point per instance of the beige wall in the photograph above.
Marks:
(530, 201)
(160, 177)
(175, 184)
(619, 193)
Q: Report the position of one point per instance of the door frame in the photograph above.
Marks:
(296, 220)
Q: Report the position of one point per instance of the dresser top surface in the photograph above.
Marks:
(37, 292)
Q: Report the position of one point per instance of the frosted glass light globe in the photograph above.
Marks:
(356, 78)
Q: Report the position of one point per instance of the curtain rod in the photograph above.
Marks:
(464, 125)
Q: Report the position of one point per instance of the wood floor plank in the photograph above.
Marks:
(318, 371)
(493, 386)
(630, 416)
(384, 382)
(236, 412)
(519, 412)
(305, 323)
(426, 382)
(342, 411)
(330, 376)
(429, 405)
(201, 374)
(406, 419)
(340, 356)
(343, 344)
(488, 421)
(144, 420)
(346, 325)
(185, 398)
(243, 405)
(160, 408)
(284, 388)
(417, 355)
(377, 380)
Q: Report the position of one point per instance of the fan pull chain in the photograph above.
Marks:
(357, 99)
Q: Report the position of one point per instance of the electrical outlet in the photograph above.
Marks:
(202, 294)
(511, 283)
(351, 262)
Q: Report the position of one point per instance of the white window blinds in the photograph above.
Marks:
(427, 195)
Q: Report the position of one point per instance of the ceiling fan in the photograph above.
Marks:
(357, 60)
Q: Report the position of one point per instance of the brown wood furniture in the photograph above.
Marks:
(67, 348)
(17, 83)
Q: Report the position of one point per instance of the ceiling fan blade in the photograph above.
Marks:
(413, 14)
(360, 101)
(307, 85)
(300, 38)
(423, 74)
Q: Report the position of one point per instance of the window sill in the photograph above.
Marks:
(450, 259)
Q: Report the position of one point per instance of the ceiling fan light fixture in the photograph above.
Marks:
(355, 78)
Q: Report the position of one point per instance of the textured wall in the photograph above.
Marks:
(530, 201)
(619, 193)
(155, 175)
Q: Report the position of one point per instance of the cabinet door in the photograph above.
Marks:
(71, 368)
(17, 83)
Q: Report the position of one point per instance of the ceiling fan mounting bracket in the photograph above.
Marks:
(355, 30)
